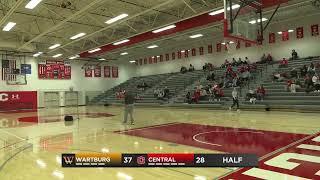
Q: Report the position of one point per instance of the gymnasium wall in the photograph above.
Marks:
(78, 81)
(308, 46)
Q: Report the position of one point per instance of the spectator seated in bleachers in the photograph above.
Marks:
(294, 55)
(278, 77)
(225, 64)
(234, 62)
(156, 92)
(246, 61)
(203, 94)
(217, 92)
(183, 70)
(191, 68)
(245, 76)
(166, 92)
(196, 96)
(239, 62)
(283, 63)
(188, 98)
(304, 71)
(143, 86)
(293, 85)
(263, 59)
(208, 67)
(311, 69)
(261, 93)
(293, 73)
(269, 59)
(120, 94)
(316, 83)
(308, 83)
(211, 77)
(160, 95)
(251, 96)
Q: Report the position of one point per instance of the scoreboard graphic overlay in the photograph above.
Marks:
(158, 160)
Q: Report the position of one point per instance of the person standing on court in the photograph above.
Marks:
(235, 98)
(128, 107)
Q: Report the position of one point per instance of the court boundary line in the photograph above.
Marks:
(275, 152)
(203, 142)
(146, 127)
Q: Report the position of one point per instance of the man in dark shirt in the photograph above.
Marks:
(128, 107)
(294, 55)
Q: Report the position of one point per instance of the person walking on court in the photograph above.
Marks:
(128, 107)
(235, 98)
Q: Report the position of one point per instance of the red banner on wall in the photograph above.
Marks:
(218, 47)
(88, 72)
(161, 58)
(107, 73)
(155, 59)
(201, 51)
(97, 71)
(167, 57)
(52, 69)
(115, 73)
(186, 54)
(285, 35)
(18, 100)
(193, 52)
(315, 30)
(210, 49)
(272, 38)
(179, 54)
(238, 45)
(173, 56)
(300, 33)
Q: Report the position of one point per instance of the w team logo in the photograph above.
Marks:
(68, 160)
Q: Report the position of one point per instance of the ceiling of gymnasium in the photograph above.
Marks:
(55, 21)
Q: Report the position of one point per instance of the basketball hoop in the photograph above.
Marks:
(16, 79)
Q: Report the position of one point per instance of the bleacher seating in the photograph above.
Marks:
(179, 84)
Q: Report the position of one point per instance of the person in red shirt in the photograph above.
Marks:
(196, 96)
(283, 63)
(261, 92)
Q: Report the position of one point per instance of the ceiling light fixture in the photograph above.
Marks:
(54, 46)
(124, 53)
(290, 30)
(102, 59)
(196, 36)
(164, 28)
(132, 61)
(121, 42)
(78, 36)
(153, 46)
(94, 50)
(74, 57)
(235, 6)
(255, 21)
(9, 26)
(32, 4)
(117, 18)
(37, 54)
(223, 43)
(280, 32)
(57, 55)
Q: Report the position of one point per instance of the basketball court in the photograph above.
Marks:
(70, 66)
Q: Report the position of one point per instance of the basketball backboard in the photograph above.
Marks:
(243, 21)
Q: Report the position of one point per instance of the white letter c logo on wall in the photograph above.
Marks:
(4, 97)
